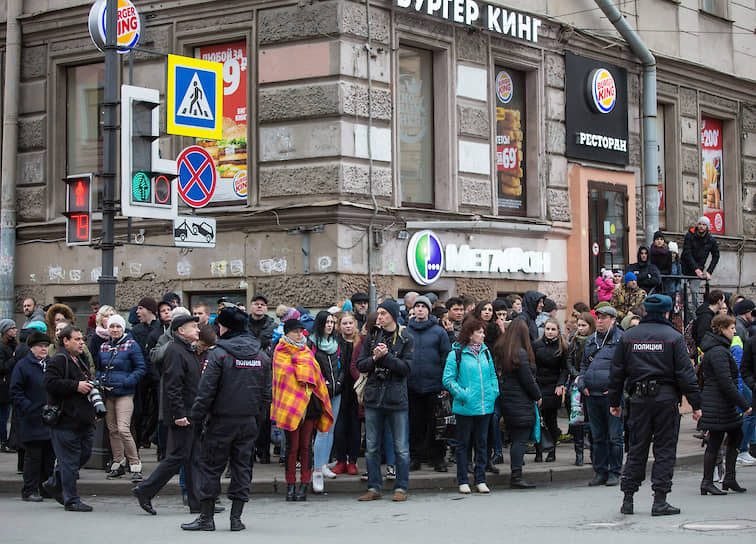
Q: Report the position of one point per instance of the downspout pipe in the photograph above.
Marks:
(8, 170)
(650, 175)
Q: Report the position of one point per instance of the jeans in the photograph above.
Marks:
(5, 408)
(472, 430)
(72, 448)
(694, 291)
(118, 420)
(388, 445)
(606, 434)
(749, 423)
(376, 421)
(324, 441)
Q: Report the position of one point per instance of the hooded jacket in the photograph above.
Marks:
(604, 288)
(119, 366)
(649, 277)
(720, 397)
(472, 383)
(530, 311)
(696, 249)
(29, 396)
(432, 346)
(597, 361)
(236, 382)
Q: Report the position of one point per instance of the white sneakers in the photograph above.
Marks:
(482, 488)
(317, 481)
(745, 458)
(464, 489)
(327, 472)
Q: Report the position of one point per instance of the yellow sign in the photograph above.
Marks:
(195, 97)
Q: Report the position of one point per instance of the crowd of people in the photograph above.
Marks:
(432, 382)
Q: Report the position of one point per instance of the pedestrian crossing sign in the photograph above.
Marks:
(195, 97)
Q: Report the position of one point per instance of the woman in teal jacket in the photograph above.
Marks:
(470, 377)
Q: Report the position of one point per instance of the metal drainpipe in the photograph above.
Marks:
(369, 48)
(8, 167)
(650, 177)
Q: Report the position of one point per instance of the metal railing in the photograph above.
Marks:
(688, 300)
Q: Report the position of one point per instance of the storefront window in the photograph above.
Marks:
(510, 141)
(712, 183)
(84, 121)
(416, 126)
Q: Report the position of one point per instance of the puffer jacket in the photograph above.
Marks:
(29, 396)
(432, 346)
(518, 391)
(119, 366)
(530, 312)
(696, 250)
(551, 369)
(597, 361)
(604, 289)
(720, 398)
(473, 383)
(386, 385)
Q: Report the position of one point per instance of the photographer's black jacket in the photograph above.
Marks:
(237, 380)
(654, 350)
(389, 393)
(77, 412)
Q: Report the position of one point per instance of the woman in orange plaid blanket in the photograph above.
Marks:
(300, 404)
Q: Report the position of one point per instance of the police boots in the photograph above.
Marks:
(661, 507)
(205, 520)
(236, 511)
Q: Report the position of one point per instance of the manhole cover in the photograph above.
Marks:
(720, 525)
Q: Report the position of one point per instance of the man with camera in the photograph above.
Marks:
(68, 384)
(652, 364)
(386, 357)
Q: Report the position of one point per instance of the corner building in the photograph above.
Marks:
(346, 138)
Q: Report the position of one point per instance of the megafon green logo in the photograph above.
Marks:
(425, 257)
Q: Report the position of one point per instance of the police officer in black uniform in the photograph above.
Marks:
(653, 362)
(233, 391)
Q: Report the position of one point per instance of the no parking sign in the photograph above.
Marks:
(196, 176)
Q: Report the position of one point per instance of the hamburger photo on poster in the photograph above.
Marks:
(230, 152)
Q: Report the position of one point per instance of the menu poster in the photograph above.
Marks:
(711, 180)
(230, 152)
(510, 140)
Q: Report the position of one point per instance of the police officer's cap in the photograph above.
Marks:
(658, 304)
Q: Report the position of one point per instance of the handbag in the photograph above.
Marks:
(446, 421)
(535, 436)
(359, 388)
(577, 417)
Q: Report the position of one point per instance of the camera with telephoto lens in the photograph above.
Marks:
(95, 399)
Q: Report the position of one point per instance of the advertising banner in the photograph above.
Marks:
(230, 152)
(711, 175)
(510, 141)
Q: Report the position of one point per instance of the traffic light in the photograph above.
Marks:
(78, 210)
(147, 181)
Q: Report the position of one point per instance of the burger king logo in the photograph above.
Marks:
(240, 184)
(128, 25)
(718, 222)
(504, 87)
(603, 90)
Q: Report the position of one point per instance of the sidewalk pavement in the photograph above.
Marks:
(269, 479)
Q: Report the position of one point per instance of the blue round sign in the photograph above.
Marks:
(196, 176)
(425, 257)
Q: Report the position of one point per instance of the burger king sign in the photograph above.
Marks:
(602, 89)
(129, 25)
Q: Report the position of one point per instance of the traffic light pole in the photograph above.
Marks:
(107, 280)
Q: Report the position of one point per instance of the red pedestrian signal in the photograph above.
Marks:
(78, 209)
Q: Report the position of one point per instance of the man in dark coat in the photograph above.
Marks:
(432, 345)
(697, 246)
(182, 369)
(532, 304)
(234, 391)
(360, 303)
(386, 357)
(706, 312)
(146, 333)
(67, 381)
(652, 364)
(262, 326)
(29, 396)
(8, 333)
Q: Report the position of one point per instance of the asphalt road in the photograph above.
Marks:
(553, 512)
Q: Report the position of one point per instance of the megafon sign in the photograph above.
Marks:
(478, 14)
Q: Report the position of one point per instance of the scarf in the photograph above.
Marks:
(102, 332)
(293, 343)
(327, 345)
(474, 348)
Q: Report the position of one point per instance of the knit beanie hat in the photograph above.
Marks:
(149, 303)
(391, 307)
(118, 320)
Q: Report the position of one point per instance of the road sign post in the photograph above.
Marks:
(196, 176)
(195, 97)
(194, 231)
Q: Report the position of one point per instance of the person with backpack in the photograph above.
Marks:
(470, 376)
(424, 384)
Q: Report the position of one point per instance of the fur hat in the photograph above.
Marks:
(233, 319)
(657, 304)
(36, 338)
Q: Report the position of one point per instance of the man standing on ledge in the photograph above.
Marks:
(653, 360)
(697, 246)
